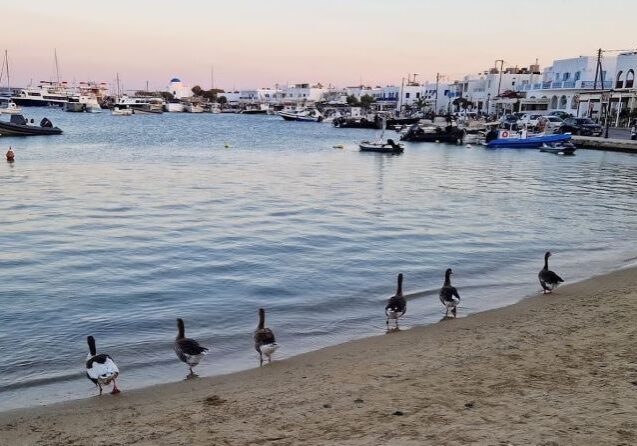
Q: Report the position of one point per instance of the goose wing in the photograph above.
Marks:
(397, 304)
(549, 276)
(263, 336)
(100, 367)
(189, 347)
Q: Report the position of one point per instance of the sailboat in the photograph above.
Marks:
(11, 108)
(382, 146)
(117, 110)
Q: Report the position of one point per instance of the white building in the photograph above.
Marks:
(178, 89)
(563, 83)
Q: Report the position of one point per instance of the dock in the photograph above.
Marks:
(609, 144)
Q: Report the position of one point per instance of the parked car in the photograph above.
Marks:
(552, 124)
(529, 120)
(560, 114)
(581, 126)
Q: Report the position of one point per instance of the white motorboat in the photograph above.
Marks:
(11, 109)
(117, 111)
(142, 104)
(303, 115)
(174, 106)
(191, 107)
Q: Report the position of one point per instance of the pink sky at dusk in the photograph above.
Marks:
(261, 43)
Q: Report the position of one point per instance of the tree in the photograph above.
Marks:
(168, 96)
(211, 94)
(222, 100)
(197, 90)
(352, 100)
(367, 100)
(462, 103)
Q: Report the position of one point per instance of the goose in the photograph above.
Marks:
(397, 305)
(101, 369)
(188, 350)
(449, 295)
(264, 341)
(548, 279)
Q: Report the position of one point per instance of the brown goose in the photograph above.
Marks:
(188, 350)
(397, 305)
(264, 341)
(548, 279)
(101, 369)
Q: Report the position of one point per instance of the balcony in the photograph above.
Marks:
(566, 85)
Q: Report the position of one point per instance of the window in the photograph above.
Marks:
(566, 76)
(578, 75)
(417, 95)
(554, 102)
(630, 79)
(406, 95)
(620, 82)
(557, 76)
(563, 102)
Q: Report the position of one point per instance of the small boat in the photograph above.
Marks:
(566, 149)
(19, 126)
(381, 147)
(513, 140)
(174, 106)
(432, 133)
(117, 111)
(11, 109)
(303, 115)
(261, 109)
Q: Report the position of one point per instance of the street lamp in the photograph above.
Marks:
(610, 97)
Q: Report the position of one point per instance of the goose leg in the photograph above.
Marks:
(387, 323)
(115, 389)
(100, 386)
(269, 359)
(260, 359)
(453, 311)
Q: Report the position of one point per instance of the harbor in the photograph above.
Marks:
(337, 223)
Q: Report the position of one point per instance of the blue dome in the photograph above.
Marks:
(175, 79)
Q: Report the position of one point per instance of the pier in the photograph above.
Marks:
(609, 144)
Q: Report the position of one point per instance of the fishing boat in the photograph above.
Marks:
(521, 140)
(382, 146)
(433, 133)
(302, 115)
(19, 126)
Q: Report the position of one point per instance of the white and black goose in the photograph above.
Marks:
(449, 295)
(396, 305)
(548, 279)
(101, 369)
(264, 341)
(188, 350)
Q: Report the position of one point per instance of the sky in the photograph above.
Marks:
(257, 43)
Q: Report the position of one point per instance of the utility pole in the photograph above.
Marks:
(437, 87)
(501, 69)
(599, 73)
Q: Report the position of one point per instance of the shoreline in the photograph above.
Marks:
(506, 381)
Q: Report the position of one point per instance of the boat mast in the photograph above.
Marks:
(212, 77)
(118, 87)
(6, 59)
(57, 67)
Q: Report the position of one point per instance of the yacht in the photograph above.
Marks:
(47, 93)
(141, 105)
(174, 106)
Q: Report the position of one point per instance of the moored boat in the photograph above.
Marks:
(19, 126)
(381, 147)
(302, 115)
(11, 109)
(513, 140)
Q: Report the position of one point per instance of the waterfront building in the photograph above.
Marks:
(564, 83)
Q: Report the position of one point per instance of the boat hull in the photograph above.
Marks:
(299, 118)
(534, 142)
(8, 129)
(366, 146)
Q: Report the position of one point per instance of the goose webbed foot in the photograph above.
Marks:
(454, 312)
(260, 359)
(115, 389)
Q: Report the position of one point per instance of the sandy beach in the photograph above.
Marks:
(551, 370)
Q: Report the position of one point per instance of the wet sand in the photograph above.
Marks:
(552, 370)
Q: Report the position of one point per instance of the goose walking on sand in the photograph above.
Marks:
(449, 295)
(101, 369)
(264, 342)
(548, 279)
(188, 350)
(397, 305)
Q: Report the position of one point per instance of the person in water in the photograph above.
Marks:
(10, 154)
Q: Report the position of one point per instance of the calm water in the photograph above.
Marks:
(125, 223)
